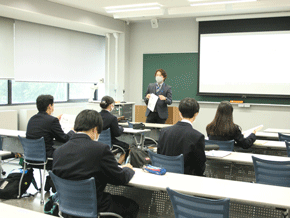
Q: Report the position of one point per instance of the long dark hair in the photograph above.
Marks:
(223, 124)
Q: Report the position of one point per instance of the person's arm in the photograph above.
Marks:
(147, 95)
(243, 142)
(58, 133)
(116, 130)
(169, 96)
(114, 174)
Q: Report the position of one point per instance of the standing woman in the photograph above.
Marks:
(223, 128)
(111, 121)
(164, 93)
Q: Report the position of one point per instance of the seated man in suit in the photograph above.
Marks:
(43, 124)
(83, 157)
(182, 138)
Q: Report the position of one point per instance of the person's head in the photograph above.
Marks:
(160, 75)
(89, 121)
(188, 108)
(107, 103)
(44, 103)
(223, 123)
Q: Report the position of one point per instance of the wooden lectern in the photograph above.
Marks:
(173, 114)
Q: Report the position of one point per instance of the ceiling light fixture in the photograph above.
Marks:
(220, 2)
(133, 7)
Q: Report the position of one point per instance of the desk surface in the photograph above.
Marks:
(12, 133)
(283, 131)
(244, 192)
(135, 131)
(269, 135)
(149, 125)
(246, 158)
(13, 211)
(269, 144)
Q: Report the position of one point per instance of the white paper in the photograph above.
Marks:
(249, 131)
(152, 101)
(67, 122)
(214, 153)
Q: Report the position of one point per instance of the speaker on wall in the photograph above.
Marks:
(154, 23)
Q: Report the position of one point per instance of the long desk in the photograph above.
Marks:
(267, 135)
(283, 131)
(10, 141)
(246, 199)
(7, 210)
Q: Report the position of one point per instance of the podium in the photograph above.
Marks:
(173, 114)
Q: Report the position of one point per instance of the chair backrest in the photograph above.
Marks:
(223, 145)
(288, 148)
(76, 198)
(283, 137)
(174, 164)
(272, 172)
(34, 149)
(130, 125)
(196, 207)
(105, 137)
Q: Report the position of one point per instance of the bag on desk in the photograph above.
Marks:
(138, 126)
(139, 157)
(9, 185)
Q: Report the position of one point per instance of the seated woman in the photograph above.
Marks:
(223, 128)
(111, 121)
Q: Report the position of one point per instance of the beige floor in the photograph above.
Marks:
(31, 203)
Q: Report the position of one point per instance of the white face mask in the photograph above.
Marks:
(159, 79)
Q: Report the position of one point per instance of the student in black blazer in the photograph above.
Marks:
(111, 121)
(182, 138)
(43, 124)
(164, 93)
(223, 128)
(83, 157)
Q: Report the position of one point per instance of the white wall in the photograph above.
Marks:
(181, 35)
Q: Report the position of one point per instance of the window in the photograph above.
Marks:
(27, 92)
(3, 92)
(80, 90)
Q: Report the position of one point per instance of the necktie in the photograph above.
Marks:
(158, 88)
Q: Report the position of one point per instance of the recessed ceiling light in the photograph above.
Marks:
(218, 2)
(133, 7)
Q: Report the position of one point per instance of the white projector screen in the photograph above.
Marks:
(255, 63)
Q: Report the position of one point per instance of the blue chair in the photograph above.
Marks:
(288, 148)
(272, 172)
(174, 164)
(196, 207)
(78, 198)
(105, 137)
(283, 137)
(223, 145)
(35, 155)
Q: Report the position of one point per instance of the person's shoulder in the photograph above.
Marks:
(167, 86)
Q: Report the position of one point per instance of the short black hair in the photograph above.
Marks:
(188, 107)
(88, 119)
(106, 101)
(43, 101)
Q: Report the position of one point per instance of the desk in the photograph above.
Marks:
(277, 148)
(13, 211)
(247, 199)
(135, 132)
(267, 135)
(10, 141)
(283, 131)
(155, 128)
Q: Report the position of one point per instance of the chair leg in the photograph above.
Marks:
(42, 178)
(20, 182)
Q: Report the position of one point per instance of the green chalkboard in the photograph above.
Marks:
(182, 76)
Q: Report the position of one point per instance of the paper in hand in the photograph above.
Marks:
(152, 102)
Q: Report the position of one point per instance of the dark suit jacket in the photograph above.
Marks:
(47, 126)
(82, 158)
(161, 106)
(111, 121)
(181, 138)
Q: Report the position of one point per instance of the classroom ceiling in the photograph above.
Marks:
(177, 8)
